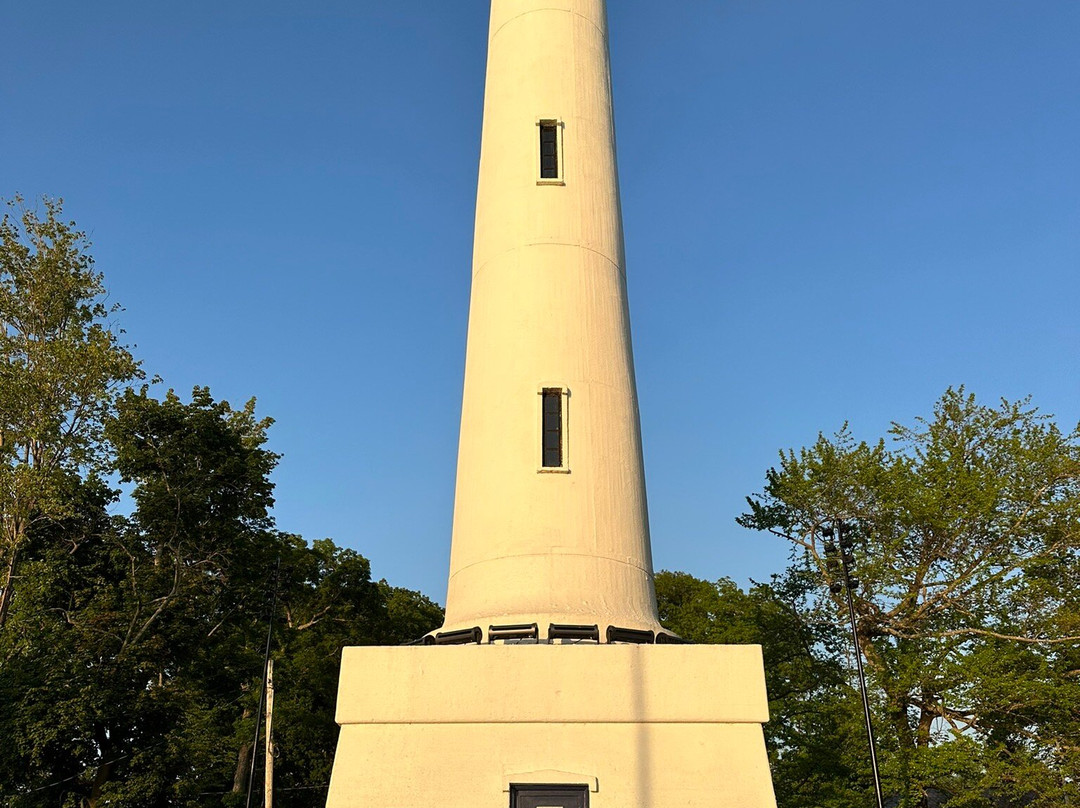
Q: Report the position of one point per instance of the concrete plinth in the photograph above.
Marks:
(641, 726)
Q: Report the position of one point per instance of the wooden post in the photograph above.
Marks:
(269, 787)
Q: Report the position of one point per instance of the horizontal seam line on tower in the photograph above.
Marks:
(540, 555)
(494, 34)
(482, 267)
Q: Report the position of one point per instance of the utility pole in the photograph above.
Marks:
(267, 662)
(843, 580)
(268, 790)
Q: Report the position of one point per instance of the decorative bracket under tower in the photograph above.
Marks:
(552, 683)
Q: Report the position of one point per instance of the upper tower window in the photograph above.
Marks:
(550, 153)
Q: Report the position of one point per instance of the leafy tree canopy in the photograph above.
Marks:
(968, 532)
(132, 659)
(61, 366)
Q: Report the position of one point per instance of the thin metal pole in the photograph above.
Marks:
(262, 695)
(862, 677)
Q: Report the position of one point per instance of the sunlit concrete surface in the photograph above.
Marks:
(641, 725)
(549, 309)
(546, 543)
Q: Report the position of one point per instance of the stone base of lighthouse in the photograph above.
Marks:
(600, 726)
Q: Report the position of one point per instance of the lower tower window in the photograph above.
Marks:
(549, 151)
(550, 162)
(553, 428)
(553, 443)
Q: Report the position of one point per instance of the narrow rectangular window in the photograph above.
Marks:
(549, 150)
(552, 427)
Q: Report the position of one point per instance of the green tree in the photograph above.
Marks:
(61, 365)
(968, 531)
(129, 654)
(208, 553)
(332, 603)
(133, 657)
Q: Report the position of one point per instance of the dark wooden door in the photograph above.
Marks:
(549, 797)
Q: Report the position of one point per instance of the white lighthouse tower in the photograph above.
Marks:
(552, 683)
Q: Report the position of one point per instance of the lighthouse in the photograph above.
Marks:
(551, 683)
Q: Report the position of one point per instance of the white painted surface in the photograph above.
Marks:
(640, 726)
(549, 307)
(536, 684)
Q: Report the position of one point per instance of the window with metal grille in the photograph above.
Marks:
(552, 427)
(549, 150)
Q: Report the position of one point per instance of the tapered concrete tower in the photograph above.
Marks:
(550, 520)
(551, 683)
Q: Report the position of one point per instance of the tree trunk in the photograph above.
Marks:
(243, 763)
(897, 701)
(100, 779)
(9, 581)
(926, 721)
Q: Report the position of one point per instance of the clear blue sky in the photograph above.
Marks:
(833, 211)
